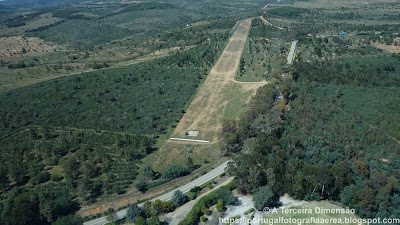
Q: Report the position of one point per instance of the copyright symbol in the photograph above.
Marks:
(266, 210)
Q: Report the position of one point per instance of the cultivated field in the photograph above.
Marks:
(17, 46)
(388, 48)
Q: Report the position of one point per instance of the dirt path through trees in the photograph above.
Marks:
(206, 112)
(269, 23)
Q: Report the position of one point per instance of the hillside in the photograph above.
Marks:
(91, 93)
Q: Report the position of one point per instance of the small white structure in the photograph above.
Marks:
(192, 133)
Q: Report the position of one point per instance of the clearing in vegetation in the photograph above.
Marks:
(17, 46)
(388, 48)
(206, 111)
(220, 97)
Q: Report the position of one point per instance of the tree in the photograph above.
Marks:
(140, 221)
(255, 177)
(4, 181)
(361, 169)
(25, 210)
(220, 205)
(149, 173)
(178, 198)
(154, 220)
(71, 167)
(347, 194)
(368, 201)
(189, 163)
(111, 215)
(230, 141)
(141, 185)
(68, 220)
(84, 189)
(156, 207)
(174, 171)
(133, 212)
(16, 168)
(90, 169)
(226, 195)
(263, 197)
(167, 207)
(55, 203)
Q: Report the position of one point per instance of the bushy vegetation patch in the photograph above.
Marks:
(224, 193)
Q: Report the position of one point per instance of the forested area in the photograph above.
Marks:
(52, 170)
(93, 24)
(84, 135)
(312, 19)
(289, 12)
(142, 99)
(331, 133)
(364, 71)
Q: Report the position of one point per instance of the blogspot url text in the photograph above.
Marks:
(311, 220)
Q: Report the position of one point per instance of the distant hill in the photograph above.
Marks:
(23, 5)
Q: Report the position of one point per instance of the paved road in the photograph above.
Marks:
(291, 53)
(185, 188)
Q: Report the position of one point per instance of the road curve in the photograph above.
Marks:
(165, 197)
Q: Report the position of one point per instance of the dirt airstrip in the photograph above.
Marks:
(205, 113)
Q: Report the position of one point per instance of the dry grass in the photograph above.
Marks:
(387, 48)
(12, 47)
(220, 97)
(206, 111)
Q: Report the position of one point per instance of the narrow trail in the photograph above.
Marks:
(271, 24)
(394, 139)
(153, 55)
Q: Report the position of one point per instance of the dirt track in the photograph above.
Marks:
(269, 23)
(205, 113)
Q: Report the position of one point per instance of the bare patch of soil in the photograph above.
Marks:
(205, 113)
(387, 48)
